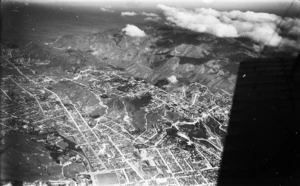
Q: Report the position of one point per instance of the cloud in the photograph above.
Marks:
(134, 31)
(107, 9)
(7, 184)
(173, 79)
(152, 18)
(149, 14)
(128, 14)
(260, 27)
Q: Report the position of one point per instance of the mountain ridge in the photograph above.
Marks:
(166, 51)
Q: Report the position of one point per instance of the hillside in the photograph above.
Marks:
(166, 51)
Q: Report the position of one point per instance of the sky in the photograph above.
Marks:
(152, 1)
(270, 6)
(181, 3)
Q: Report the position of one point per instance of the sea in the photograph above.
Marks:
(24, 23)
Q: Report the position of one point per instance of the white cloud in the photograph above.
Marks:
(173, 79)
(152, 18)
(134, 31)
(107, 9)
(149, 14)
(7, 184)
(128, 14)
(260, 27)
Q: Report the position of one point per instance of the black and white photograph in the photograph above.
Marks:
(150, 93)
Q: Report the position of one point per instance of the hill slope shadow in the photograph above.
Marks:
(262, 145)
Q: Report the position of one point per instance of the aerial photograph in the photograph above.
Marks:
(150, 93)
